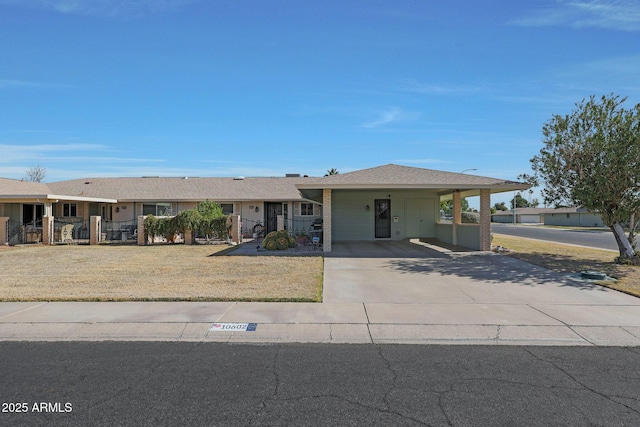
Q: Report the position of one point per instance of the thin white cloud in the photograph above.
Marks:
(610, 14)
(393, 115)
(384, 118)
(109, 8)
(414, 86)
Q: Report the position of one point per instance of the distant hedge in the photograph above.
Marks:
(470, 218)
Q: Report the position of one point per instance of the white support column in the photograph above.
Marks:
(326, 219)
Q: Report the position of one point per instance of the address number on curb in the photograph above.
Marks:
(233, 327)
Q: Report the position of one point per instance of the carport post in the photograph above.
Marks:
(457, 216)
(485, 220)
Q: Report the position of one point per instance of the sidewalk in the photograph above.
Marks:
(357, 323)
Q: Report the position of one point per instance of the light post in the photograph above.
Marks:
(467, 170)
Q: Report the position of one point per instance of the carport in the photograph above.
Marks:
(394, 203)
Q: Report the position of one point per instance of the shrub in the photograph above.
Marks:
(278, 240)
(470, 218)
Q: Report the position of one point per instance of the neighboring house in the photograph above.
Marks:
(27, 208)
(119, 202)
(523, 216)
(388, 202)
(573, 217)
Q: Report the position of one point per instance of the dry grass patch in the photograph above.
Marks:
(572, 259)
(147, 273)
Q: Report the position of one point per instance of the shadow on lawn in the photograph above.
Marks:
(495, 269)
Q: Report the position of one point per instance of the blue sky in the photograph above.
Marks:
(264, 88)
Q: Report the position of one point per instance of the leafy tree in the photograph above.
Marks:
(36, 174)
(502, 206)
(591, 158)
(519, 201)
(332, 171)
(447, 206)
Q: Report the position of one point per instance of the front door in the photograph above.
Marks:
(272, 210)
(383, 218)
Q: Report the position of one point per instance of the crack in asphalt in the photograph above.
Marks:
(583, 385)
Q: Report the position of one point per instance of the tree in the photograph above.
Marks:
(332, 171)
(519, 201)
(447, 206)
(36, 174)
(591, 158)
(502, 206)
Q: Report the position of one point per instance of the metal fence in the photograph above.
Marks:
(119, 231)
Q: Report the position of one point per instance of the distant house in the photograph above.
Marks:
(574, 217)
(523, 216)
(389, 202)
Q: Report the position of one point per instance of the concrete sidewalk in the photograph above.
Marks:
(472, 323)
(396, 292)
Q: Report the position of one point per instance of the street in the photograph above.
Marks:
(155, 383)
(601, 239)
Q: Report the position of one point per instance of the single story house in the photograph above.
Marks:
(573, 217)
(389, 202)
(27, 211)
(523, 216)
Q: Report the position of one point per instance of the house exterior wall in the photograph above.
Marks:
(469, 235)
(577, 219)
(502, 219)
(352, 221)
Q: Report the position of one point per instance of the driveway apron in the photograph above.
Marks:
(408, 273)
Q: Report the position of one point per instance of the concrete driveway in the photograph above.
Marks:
(409, 283)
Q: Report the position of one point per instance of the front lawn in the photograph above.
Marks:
(572, 259)
(154, 273)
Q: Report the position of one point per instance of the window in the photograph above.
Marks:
(69, 209)
(227, 208)
(307, 209)
(158, 209)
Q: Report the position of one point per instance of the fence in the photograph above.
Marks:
(119, 231)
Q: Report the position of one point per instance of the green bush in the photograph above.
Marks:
(470, 218)
(278, 240)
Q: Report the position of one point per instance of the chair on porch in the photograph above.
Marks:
(66, 232)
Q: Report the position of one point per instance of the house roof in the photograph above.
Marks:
(12, 190)
(396, 176)
(178, 189)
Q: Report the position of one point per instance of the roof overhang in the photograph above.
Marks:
(441, 189)
(50, 198)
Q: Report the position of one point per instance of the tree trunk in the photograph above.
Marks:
(626, 250)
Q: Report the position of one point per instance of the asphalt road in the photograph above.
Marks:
(125, 383)
(584, 237)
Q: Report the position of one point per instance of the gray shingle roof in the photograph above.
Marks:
(407, 177)
(14, 187)
(183, 189)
